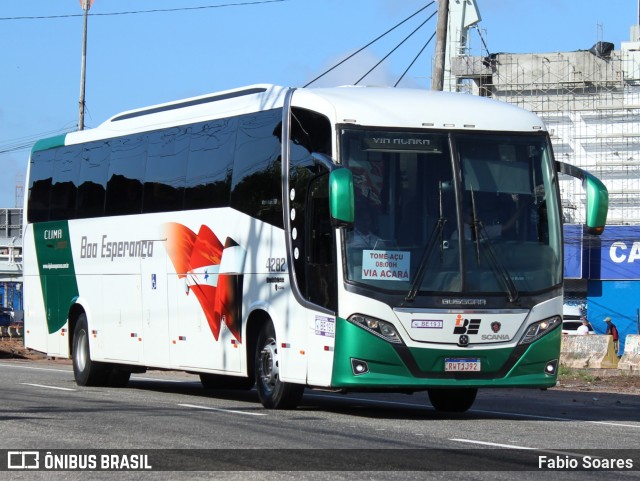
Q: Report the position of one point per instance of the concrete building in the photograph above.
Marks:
(590, 102)
(10, 265)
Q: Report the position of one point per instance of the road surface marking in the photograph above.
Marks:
(206, 408)
(47, 387)
(513, 446)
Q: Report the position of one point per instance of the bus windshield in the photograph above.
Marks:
(437, 213)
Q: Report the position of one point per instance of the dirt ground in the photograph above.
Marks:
(599, 380)
(587, 380)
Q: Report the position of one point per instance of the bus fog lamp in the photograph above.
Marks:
(551, 367)
(359, 367)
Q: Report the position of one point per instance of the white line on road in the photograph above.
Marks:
(512, 446)
(533, 416)
(637, 426)
(481, 411)
(495, 445)
(375, 401)
(206, 408)
(47, 387)
(3, 365)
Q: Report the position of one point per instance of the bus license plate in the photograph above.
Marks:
(461, 365)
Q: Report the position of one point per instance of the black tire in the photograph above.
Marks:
(273, 393)
(118, 377)
(219, 381)
(452, 400)
(85, 371)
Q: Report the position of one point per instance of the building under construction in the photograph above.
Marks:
(590, 102)
(10, 265)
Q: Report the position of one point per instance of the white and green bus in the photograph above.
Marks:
(350, 239)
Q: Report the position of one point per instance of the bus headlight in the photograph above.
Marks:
(539, 329)
(382, 329)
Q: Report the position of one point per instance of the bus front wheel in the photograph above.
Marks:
(452, 400)
(273, 393)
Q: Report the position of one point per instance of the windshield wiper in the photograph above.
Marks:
(497, 267)
(436, 237)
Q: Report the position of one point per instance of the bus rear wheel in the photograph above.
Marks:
(86, 371)
(273, 393)
(452, 400)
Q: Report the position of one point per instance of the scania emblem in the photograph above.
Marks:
(495, 326)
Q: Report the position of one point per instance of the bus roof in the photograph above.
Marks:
(414, 108)
(370, 106)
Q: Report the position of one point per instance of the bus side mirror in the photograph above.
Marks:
(597, 197)
(341, 197)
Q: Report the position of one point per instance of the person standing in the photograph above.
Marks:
(584, 328)
(612, 330)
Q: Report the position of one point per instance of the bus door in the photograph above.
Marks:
(318, 282)
(155, 319)
(120, 324)
(57, 300)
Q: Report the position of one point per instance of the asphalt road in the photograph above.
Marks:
(43, 409)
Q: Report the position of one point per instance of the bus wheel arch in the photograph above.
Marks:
(255, 322)
(74, 313)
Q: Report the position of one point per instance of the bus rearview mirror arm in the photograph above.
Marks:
(597, 196)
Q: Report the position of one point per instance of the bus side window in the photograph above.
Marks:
(92, 186)
(313, 262)
(211, 148)
(320, 245)
(41, 179)
(126, 174)
(319, 224)
(166, 166)
(66, 172)
(256, 184)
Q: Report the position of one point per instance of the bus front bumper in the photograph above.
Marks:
(364, 361)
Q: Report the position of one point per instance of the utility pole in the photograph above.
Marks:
(86, 5)
(437, 80)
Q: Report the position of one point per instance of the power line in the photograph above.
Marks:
(415, 59)
(134, 12)
(24, 143)
(368, 45)
(396, 47)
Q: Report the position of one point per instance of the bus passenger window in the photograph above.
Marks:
(92, 188)
(41, 174)
(126, 173)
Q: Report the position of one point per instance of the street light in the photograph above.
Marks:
(86, 5)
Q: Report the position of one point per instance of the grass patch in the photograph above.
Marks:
(583, 375)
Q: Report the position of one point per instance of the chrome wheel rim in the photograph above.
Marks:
(268, 365)
(82, 353)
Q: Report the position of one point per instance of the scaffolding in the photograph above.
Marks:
(10, 245)
(590, 102)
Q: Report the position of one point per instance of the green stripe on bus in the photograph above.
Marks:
(57, 271)
(49, 143)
